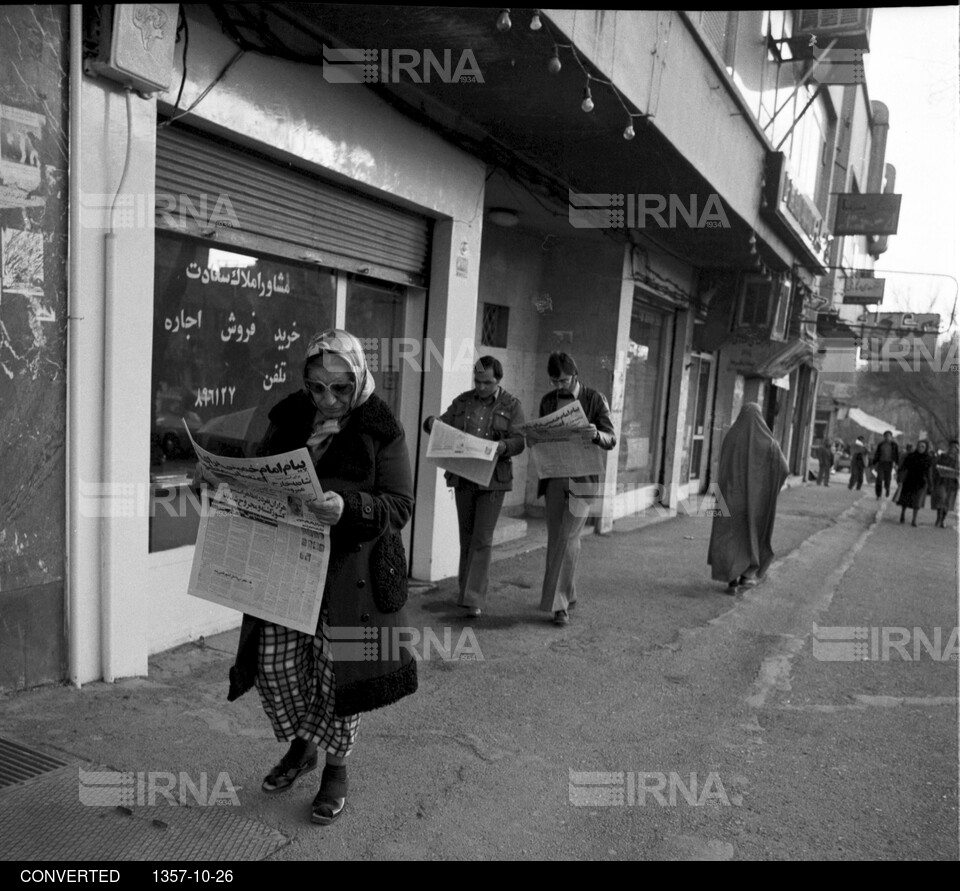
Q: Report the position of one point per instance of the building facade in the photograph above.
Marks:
(647, 190)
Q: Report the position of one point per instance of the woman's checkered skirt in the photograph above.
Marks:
(296, 682)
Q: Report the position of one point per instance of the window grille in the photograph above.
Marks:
(494, 328)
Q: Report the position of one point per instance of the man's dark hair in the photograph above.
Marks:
(560, 364)
(489, 362)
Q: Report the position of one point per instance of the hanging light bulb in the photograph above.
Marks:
(554, 66)
(503, 20)
(629, 132)
(587, 104)
(535, 23)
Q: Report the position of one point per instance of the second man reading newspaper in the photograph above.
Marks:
(568, 498)
(490, 412)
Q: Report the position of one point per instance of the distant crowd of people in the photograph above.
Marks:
(919, 471)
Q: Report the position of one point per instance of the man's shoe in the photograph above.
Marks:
(560, 617)
(300, 758)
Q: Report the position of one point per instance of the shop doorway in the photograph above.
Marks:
(700, 383)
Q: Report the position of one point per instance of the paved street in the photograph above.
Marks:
(667, 721)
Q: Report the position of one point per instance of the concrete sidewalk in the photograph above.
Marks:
(473, 766)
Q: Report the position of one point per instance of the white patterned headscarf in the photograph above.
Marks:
(347, 347)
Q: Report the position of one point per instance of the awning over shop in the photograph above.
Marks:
(755, 357)
(874, 425)
(782, 361)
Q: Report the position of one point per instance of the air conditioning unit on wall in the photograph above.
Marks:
(136, 45)
(850, 28)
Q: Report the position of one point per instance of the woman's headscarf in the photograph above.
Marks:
(922, 461)
(347, 347)
(748, 433)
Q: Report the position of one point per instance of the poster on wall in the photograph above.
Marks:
(20, 135)
(21, 260)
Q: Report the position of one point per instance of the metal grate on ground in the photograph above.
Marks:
(45, 818)
(19, 763)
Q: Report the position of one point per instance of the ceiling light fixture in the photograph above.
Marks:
(503, 216)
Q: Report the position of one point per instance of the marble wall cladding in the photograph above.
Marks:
(33, 340)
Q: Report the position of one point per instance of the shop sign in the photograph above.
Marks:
(867, 214)
(788, 206)
(863, 290)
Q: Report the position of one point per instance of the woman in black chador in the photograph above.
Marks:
(916, 479)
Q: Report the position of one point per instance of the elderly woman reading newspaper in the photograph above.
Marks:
(313, 692)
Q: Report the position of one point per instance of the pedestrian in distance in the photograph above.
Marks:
(490, 412)
(917, 480)
(825, 457)
(945, 483)
(752, 471)
(564, 520)
(907, 449)
(858, 463)
(840, 450)
(312, 696)
(885, 458)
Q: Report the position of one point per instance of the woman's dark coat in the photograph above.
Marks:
(916, 478)
(367, 463)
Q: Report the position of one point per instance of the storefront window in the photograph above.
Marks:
(229, 336)
(695, 434)
(641, 429)
(375, 315)
(807, 147)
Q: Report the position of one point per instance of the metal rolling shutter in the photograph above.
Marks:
(291, 208)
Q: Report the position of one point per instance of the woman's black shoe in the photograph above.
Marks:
(301, 758)
(332, 797)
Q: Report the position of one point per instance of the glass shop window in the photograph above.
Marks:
(375, 314)
(229, 335)
(496, 320)
(755, 303)
(641, 428)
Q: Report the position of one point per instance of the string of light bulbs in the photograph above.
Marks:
(554, 66)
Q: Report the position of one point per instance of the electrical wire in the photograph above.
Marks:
(202, 96)
(186, 42)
